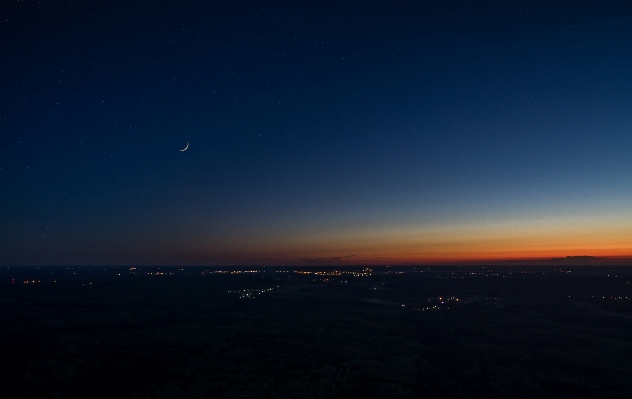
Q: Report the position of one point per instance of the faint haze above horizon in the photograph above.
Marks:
(315, 133)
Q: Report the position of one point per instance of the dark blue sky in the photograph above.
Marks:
(359, 132)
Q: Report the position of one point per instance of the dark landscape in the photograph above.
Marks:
(266, 332)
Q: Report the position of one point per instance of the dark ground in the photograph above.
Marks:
(514, 332)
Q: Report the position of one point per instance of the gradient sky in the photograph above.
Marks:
(320, 133)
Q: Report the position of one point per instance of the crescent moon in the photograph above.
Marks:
(185, 148)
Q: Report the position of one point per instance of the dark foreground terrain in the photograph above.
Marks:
(315, 332)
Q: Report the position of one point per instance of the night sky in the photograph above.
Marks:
(319, 133)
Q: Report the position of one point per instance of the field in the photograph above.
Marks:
(422, 332)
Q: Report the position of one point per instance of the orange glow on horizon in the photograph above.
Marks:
(519, 241)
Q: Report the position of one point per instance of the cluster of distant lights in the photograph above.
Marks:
(252, 293)
(367, 272)
(440, 300)
(442, 303)
(205, 272)
(604, 297)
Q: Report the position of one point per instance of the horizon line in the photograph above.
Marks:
(571, 260)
